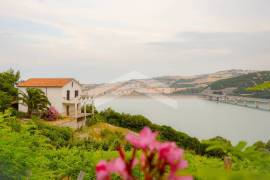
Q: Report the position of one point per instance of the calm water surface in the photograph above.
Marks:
(200, 118)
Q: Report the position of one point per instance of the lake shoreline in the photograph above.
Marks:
(173, 95)
(198, 117)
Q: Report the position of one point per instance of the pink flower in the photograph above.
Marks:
(145, 139)
(134, 162)
(175, 167)
(170, 153)
(118, 166)
(102, 170)
(143, 160)
(156, 157)
(154, 145)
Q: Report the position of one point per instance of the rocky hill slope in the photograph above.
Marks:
(161, 85)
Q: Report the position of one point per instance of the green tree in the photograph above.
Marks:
(267, 146)
(88, 109)
(217, 146)
(8, 90)
(259, 145)
(35, 100)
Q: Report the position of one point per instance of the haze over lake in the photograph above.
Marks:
(200, 118)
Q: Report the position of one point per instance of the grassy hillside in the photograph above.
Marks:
(252, 84)
(101, 131)
(41, 151)
(106, 136)
(260, 87)
(30, 153)
(243, 81)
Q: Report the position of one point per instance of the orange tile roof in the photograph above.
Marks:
(45, 82)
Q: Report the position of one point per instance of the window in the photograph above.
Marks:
(72, 84)
(76, 93)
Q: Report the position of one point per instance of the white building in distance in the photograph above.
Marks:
(63, 93)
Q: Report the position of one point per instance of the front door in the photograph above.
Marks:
(67, 110)
(68, 94)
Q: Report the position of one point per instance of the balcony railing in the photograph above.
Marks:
(71, 100)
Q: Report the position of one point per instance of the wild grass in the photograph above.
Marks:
(101, 131)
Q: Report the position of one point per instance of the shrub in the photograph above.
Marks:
(133, 122)
(267, 146)
(51, 114)
(58, 136)
(15, 125)
(183, 140)
(35, 118)
(20, 114)
(259, 145)
(91, 120)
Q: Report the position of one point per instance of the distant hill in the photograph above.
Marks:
(253, 84)
(161, 85)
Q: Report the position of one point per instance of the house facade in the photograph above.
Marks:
(63, 93)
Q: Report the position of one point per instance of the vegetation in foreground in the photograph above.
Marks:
(40, 151)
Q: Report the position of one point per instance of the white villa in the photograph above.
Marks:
(63, 93)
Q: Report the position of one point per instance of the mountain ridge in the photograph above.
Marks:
(160, 85)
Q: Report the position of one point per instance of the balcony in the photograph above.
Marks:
(71, 100)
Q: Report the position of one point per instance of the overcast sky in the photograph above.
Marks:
(100, 40)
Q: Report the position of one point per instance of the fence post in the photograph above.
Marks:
(227, 163)
(81, 175)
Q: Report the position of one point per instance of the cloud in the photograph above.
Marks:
(242, 43)
(118, 36)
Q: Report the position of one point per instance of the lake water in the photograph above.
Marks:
(200, 118)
